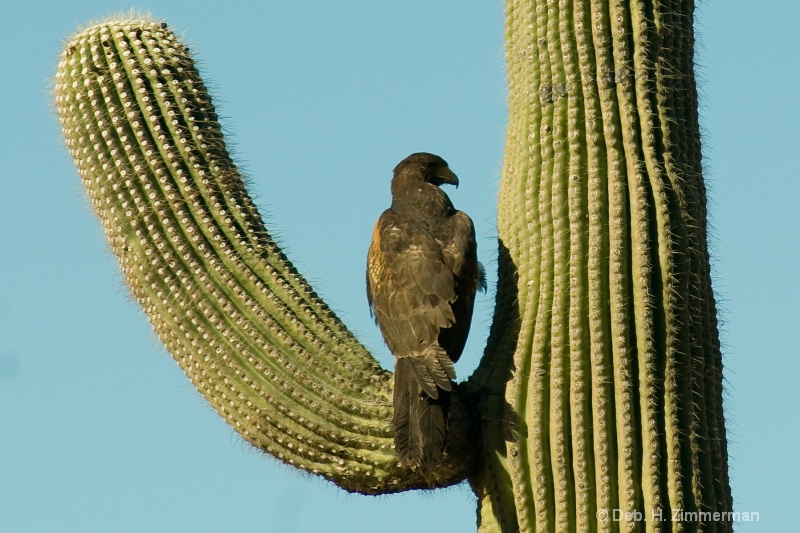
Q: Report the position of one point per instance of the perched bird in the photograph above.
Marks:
(422, 274)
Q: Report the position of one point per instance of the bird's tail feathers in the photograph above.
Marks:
(404, 389)
(429, 421)
(433, 370)
(420, 418)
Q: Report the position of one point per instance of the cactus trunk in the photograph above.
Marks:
(600, 389)
(613, 403)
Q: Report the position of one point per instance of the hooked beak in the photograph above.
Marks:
(446, 175)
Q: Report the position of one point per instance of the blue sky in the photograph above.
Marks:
(99, 428)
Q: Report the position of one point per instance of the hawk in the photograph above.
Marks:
(422, 274)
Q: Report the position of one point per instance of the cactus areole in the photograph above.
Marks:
(597, 405)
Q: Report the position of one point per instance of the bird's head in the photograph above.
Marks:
(422, 168)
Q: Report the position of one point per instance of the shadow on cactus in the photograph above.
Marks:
(600, 387)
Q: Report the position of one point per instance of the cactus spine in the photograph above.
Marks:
(600, 388)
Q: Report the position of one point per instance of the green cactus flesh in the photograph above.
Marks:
(267, 353)
(612, 380)
(600, 390)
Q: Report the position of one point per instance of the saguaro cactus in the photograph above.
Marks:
(599, 394)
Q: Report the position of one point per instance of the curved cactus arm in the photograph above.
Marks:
(246, 328)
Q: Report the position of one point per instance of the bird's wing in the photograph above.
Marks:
(409, 286)
(459, 248)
